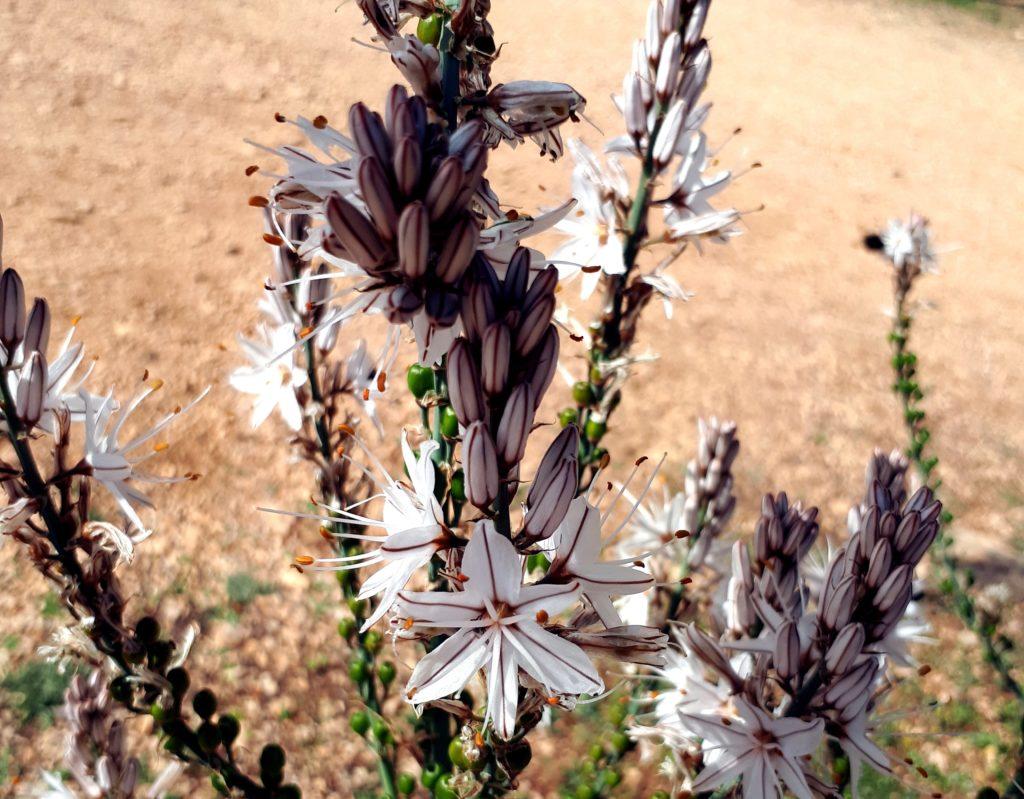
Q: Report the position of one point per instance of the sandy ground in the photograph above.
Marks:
(123, 194)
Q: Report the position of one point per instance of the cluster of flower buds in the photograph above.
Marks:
(500, 369)
(888, 470)
(663, 114)
(417, 237)
(784, 534)
(96, 755)
(796, 674)
(511, 111)
(708, 486)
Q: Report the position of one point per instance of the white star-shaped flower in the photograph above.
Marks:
(497, 623)
(273, 375)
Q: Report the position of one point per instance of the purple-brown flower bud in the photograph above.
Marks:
(515, 425)
(464, 384)
(495, 352)
(480, 463)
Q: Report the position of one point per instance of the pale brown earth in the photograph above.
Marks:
(124, 200)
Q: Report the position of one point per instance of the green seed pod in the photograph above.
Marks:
(386, 672)
(568, 416)
(179, 680)
(420, 379)
(373, 641)
(620, 742)
(229, 728)
(449, 423)
(209, 737)
(358, 671)
(359, 722)
(346, 627)
(519, 756)
(147, 630)
(457, 754)
(458, 485)
(156, 710)
(611, 778)
(430, 776)
(218, 785)
(585, 792)
(272, 779)
(595, 430)
(537, 562)
(357, 606)
(406, 784)
(121, 689)
(272, 758)
(380, 730)
(443, 788)
(583, 394)
(204, 703)
(596, 752)
(428, 29)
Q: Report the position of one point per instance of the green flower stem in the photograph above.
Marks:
(606, 334)
(956, 579)
(366, 684)
(37, 488)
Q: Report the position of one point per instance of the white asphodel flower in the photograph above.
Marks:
(910, 242)
(577, 558)
(273, 375)
(498, 626)
(413, 525)
(593, 246)
(762, 749)
(688, 211)
(114, 465)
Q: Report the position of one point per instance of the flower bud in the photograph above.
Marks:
(668, 136)
(838, 606)
(457, 252)
(652, 33)
(480, 463)
(670, 16)
(37, 331)
(515, 425)
(879, 564)
(852, 685)
(668, 67)
(445, 187)
(534, 324)
(695, 25)
(12, 310)
(495, 352)
(32, 384)
(477, 309)
(845, 649)
(517, 278)
(634, 110)
(407, 163)
(543, 365)
(414, 240)
(549, 498)
(464, 383)
(787, 651)
(368, 131)
(375, 187)
(892, 592)
(354, 231)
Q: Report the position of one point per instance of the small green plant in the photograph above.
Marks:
(35, 690)
(243, 588)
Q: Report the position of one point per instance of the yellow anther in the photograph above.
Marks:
(161, 446)
(156, 385)
(304, 560)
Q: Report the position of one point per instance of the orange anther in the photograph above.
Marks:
(542, 617)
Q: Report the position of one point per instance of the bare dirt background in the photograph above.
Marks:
(124, 199)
